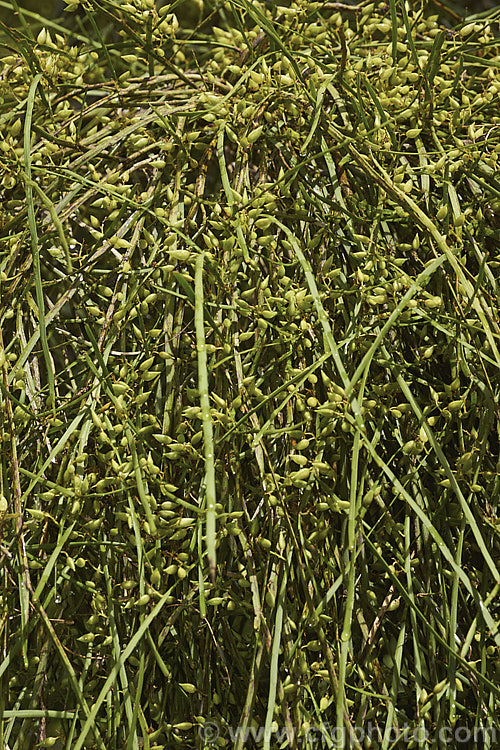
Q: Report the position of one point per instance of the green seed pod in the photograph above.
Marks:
(440, 686)
(326, 409)
(47, 496)
(219, 401)
(169, 488)
(147, 376)
(442, 213)
(163, 439)
(15, 128)
(464, 31)
(119, 388)
(299, 459)
(412, 447)
(181, 255)
(146, 364)
(377, 299)
(302, 445)
(93, 525)
(192, 411)
(142, 600)
(183, 726)
(128, 585)
(188, 687)
(185, 522)
(313, 645)
(255, 134)
(236, 402)
(197, 438)
(270, 599)
(155, 578)
(87, 638)
(433, 302)
(300, 475)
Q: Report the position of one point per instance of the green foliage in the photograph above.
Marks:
(249, 362)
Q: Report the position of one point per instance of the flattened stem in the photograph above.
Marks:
(208, 437)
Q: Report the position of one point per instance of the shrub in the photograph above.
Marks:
(249, 355)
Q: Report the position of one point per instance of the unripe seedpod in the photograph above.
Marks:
(255, 134)
(163, 439)
(442, 213)
(155, 578)
(300, 475)
(181, 255)
(412, 447)
(87, 638)
(119, 388)
(440, 686)
(433, 302)
(146, 364)
(302, 445)
(188, 687)
(183, 726)
(466, 30)
(15, 129)
(270, 599)
(299, 459)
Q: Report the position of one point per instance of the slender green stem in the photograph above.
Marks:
(34, 240)
(273, 673)
(208, 438)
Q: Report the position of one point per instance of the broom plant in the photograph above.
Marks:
(249, 392)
